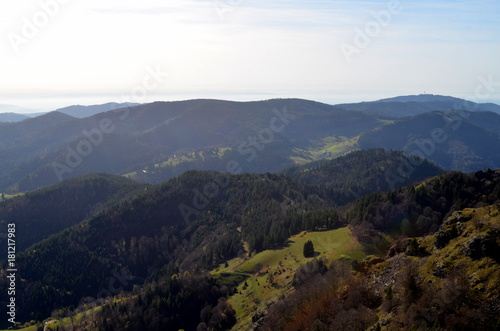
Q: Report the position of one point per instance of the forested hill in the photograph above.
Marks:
(41, 213)
(419, 210)
(455, 140)
(362, 172)
(48, 211)
(149, 235)
(154, 142)
(200, 219)
(193, 221)
(159, 136)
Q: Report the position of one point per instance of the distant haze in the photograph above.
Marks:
(330, 51)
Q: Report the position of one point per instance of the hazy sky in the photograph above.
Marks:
(60, 52)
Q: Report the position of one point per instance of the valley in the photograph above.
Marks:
(215, 223)
(232, 165)
(154, 142)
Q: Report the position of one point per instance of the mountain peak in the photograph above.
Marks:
(420, 98)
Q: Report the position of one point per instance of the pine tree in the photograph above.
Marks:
(308, 249)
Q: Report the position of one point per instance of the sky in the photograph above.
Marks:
(56, 53)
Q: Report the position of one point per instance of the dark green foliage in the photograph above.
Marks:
(308, 250)
(361, 172)
(147, 232)
(420, 210)
(200, 219)
(41, 213)
(58, 273)
(173, 303)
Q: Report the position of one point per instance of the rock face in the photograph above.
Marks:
(443, 237)
(450, 229)
(484, 246)
(477, 247)
(399, 247)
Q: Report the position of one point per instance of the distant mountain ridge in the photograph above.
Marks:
(452, 141)
(14, 109)
(87, 111)
(154, 142)
(145, 135)
(421, 98)
(11, 114)
(413, 105)
(12, 117)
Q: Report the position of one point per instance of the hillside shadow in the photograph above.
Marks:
(286, 244)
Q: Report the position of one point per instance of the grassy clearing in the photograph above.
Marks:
(176, 160)
(263, 277)
(387, 122)
(190, 157)
(68, 322)
(10, 196)
(269, 274)
(29, 328)
(326, 148)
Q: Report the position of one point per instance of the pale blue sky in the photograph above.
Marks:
(92, 51)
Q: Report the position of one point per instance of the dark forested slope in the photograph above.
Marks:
(41, 213)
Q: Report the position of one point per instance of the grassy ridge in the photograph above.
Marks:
(268, 275)
(256, 287)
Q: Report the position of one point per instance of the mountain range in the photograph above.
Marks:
(87, 111)
(412, 105)
(278, 214)
(10, 114)
(12, 117)
(15, 113)
(154, 142)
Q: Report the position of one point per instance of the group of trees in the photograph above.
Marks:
(419, 210)
(145, 232)
(172, 302)
(352, 296)
(362, 172)
(50, 210)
